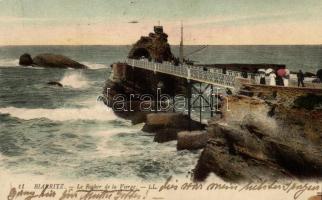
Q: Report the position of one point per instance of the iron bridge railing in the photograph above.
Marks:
(188, 72)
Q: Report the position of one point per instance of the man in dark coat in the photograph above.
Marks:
(300, 79)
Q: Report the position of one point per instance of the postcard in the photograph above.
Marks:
(160, 100)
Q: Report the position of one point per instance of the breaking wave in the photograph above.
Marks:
(94, 65)
(15, 63)
(74, 80)
(97, 112)
(9, 62)
(104, 149)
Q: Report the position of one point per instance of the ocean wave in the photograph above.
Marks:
(94, 65)
(97, 112)
(75, 80)
(15, 63)
(9, 62)
(2, 157)
(115, 131)
(104, 149)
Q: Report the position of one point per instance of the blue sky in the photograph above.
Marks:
(206, 21)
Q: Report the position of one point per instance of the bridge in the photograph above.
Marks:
(193, 74)
(189, 72)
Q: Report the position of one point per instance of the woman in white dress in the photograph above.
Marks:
(286, 78)
(270, 76)
(272, 79)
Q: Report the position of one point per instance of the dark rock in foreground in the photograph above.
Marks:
(192, 140)
(166, 126)
(265, 137)
(50, 61)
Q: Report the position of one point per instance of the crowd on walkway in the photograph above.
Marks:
(281, 77)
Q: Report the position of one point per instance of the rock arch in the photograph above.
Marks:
(154, 47)
(141, 53)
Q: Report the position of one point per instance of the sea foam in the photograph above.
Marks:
(97, 112)
(75, 80)
(9, 62)
(94, 65)
(15, 63)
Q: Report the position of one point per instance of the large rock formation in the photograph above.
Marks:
(25, 60)
(132, 83)
(50, 61)
(275, 133)
(142, 91)
(154, 47)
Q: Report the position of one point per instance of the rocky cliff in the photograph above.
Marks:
(272, 133)
(263, 132)
(132, 83)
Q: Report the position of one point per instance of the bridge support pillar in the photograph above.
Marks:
(204, 102)
(200, 103)
(156, 98)
(188, 95)
(211, 100)
(174, 103)
(189, 88)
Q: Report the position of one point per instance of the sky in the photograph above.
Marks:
(213, 22)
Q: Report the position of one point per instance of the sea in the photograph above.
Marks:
(64, 132)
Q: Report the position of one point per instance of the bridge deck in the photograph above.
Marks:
(188, 72)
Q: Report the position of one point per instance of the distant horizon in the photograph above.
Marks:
(295, 44)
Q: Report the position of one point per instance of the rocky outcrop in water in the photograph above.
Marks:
(25, 60)
(55, 83)
(274, 134)
(50, 61)
(166, 126)
(132, 83)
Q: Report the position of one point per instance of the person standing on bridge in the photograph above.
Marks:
(262, 76)
(272, 79)
(286, 79)
(271, 76)
(300, 79)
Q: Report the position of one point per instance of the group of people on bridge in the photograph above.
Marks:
(281, 77)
